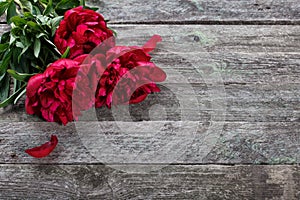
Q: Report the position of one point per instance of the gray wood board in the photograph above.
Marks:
(209, 11)
(211, 38)
(117, 142)
(199, 11)
(241, 103)
(171, 182)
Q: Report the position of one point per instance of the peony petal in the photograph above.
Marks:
(151, 71)
(151, 44)
(157, 75)
(83, 59)
(30, 107)
(153, 87)
(34, 84)
(63, 118)
(137, 99)
(43, 150)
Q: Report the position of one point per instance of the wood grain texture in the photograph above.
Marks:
(199, 11)
(257, 68)
(211, 11)
(233, 143)
(171, 182)
(242, 103)
(257, 114)
(211, 39)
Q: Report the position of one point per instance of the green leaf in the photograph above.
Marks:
(24, 65)
(44, 1)
(4, 89)
(12, 98)
(49, 8)
(5, 62)
(18, 21)
(37, 47)
(56, 20)
(36, 10)
(17, 31)
(17, 85)
(28, 15)
(41, 35)
(5, 37)
(66, 54)
(11, 11)
(53, 46)
(23, 92)
(114, 32)
(55, 23)
(67, 4)
(42, 19)
(82, 3)
(33, 25)
(12, 39)
(26, 5)
(3, 7)
(16, 64)
(2, 77)
(19, 76)
(23, 51)
(20, 45)
(3, 47)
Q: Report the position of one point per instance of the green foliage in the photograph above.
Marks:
(27, 49)
(66, 54)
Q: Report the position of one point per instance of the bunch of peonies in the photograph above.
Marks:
(114, 75)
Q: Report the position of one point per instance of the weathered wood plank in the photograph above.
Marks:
(239, 103)
(214, 38)
(199, 11)
(273, 143)
(211, 38)
(209, 11)
(171, 182)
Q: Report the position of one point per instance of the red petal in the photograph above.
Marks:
(158, 75)
(33, 85)
(138, 99)
(151, 44)
(43, 150)
(153, 72)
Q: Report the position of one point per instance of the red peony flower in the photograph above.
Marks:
(82, 30)
(49, 95)
(130, 75)
(87, 80)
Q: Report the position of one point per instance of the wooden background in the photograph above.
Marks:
(254, 46)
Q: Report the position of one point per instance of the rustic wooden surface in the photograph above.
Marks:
(173, 182)
(201, 11)
(252, 45)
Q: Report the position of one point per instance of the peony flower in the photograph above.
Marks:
(49, 95)
(130, 75)
(87, 80)
(82, 30)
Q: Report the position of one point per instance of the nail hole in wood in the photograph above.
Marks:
(196, 38)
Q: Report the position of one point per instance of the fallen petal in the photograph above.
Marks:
(43, 150)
